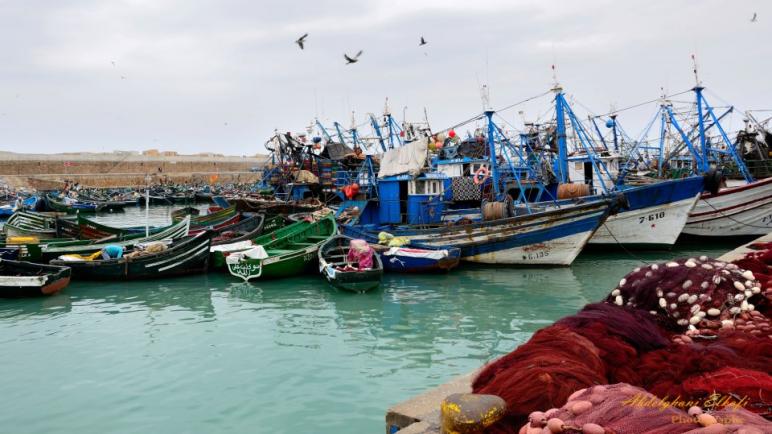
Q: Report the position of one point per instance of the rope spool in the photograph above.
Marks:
(494, 210)
(570, 191)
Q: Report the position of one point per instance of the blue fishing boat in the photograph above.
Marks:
(411, 203)
(656, 210)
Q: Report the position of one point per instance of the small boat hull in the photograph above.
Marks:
(656, 215)
(187, 256)
(334, 266)
(553, 237)
(744, 210)
(290, 251)
(656, 226)
(25, 279)
(409, 260)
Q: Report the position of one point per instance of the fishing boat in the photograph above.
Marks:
(71, 206)
(25, 279)
(180, 257)
(350, 264)
(408, 259)
(545, 237)
(291, 254)
(743, 209)
(47, 251)
(30, 224)
(701, 145)
(211, 219)
(93, 230)
(247, 229)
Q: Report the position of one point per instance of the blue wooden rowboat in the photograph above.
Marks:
(409, 259)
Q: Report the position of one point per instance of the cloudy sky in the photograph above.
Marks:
(193, 76)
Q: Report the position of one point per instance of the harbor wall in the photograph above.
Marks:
(43, 171)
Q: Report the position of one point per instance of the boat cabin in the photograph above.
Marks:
(412, 200)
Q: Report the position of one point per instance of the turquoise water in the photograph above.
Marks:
(206, 354)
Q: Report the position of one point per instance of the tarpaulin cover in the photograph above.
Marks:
(409, 158)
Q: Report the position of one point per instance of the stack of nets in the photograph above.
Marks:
(695, 328)
(622, 408)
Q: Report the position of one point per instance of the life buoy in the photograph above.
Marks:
(482, 171)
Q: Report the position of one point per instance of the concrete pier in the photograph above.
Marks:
(124, 169)
(421, 414)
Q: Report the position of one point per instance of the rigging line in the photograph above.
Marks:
(622, 246)
(524, 101)
(643, 103)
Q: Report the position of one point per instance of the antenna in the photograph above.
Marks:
(555, 85)
(485, 96)
(696, 75)
(353, 121)
(386, 107)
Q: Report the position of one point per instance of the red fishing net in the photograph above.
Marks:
(624, 409)
(543, 372)
(694, 328)
(751, 389)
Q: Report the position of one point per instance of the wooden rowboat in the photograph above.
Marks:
(185, 256)
(335, 267)
(52, 250)
(271, 233)
(211, 219)
(77, 206)
(25, 279)
(290, 255)
(408, 259)
(247, 229)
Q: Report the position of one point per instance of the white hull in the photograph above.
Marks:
(656, 225)
(737, 211)
(561, 251)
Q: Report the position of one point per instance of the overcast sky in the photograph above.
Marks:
(193, 76)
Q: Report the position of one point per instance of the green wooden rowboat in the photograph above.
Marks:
(290, 251)
(30, 224)
(273, 230)
(211, 219)
(46, 252)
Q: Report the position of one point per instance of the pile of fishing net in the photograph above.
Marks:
(696, 328)
(697, 296)
(622, 408)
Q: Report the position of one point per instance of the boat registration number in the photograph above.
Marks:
(536, 255)
(651, 217)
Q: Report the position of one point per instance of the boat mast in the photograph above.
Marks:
(492, 151)
(560, 135)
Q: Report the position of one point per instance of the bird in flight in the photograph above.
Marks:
(354, 59)
(423, 41)
(753, 20)
(113, 62)
(301, 40)
(123, 77)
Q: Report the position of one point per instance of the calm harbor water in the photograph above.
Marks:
(205, 354)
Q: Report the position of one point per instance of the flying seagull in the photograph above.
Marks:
(753, 20)
(113, 62)
(301, 40)
(423, 41)
(355, 59)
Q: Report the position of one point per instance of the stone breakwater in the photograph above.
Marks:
(43, 171)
